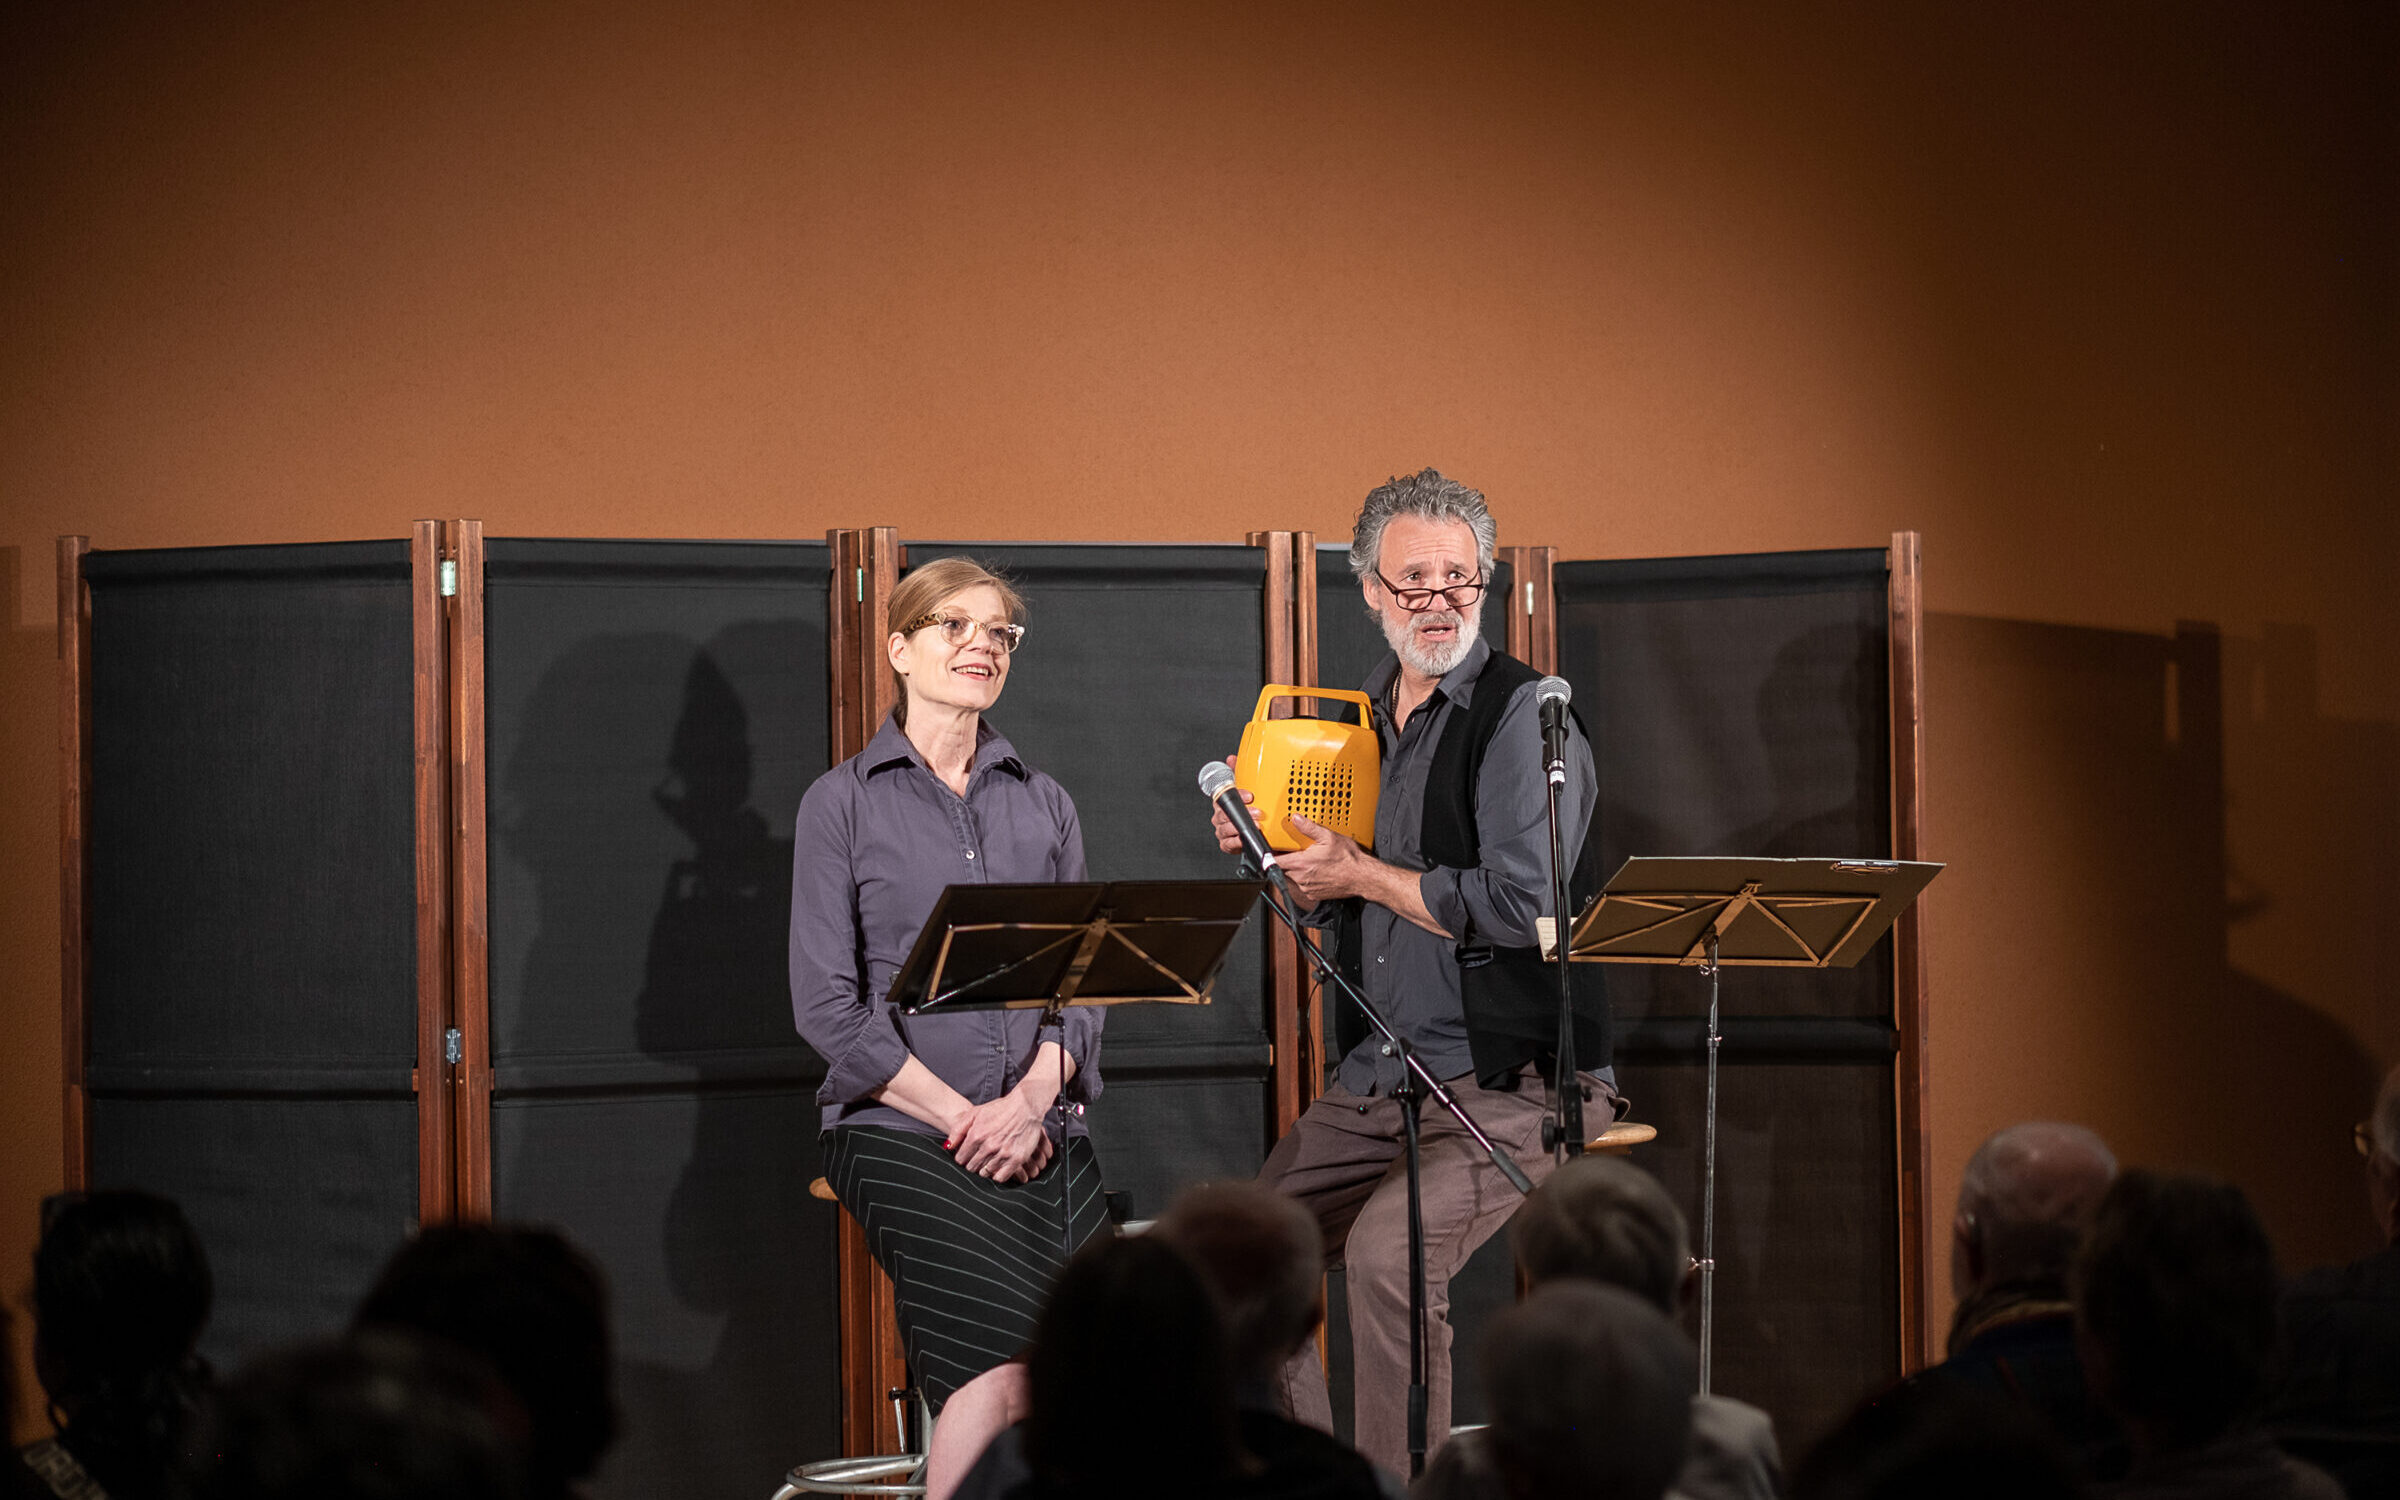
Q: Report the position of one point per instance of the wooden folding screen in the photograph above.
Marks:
(652, 713)
(1766, 705)
(572, 1006)
(237, 849)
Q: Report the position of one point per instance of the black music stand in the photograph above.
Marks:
(1046, 947)
(1774, 913)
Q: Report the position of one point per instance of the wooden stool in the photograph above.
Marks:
(1620, 1139)
(895, 1474)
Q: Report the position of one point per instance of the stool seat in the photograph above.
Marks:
(820, 1188)
(1620, 1139)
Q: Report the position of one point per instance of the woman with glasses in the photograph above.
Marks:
(951, 1138)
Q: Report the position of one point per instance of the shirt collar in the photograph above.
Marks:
(1457, 684)
(892, 747)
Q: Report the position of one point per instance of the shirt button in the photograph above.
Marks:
(970, 854)
(1378, 957)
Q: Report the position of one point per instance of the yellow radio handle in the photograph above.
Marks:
(1275, 690)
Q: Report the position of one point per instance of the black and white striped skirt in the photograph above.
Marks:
(971, 1260)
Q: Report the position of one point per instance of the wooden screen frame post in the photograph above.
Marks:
(866, 566)
(1909, 1000)
(74, 855)
(470, 1078)
(1531, 610)
(429, 635)
(1289, 590)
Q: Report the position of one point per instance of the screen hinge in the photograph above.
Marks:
(453, 1047)
(860, 582)
(1528, 596)
(449, 577)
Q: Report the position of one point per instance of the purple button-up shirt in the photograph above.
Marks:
(877, 839)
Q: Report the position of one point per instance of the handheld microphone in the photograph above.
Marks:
(1552, 693)
(1216, 784)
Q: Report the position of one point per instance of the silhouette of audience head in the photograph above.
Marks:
(1262, 1254)
(1591, 1394)
(2175, 1305)
(1923, 1440)
(535, 1308)
(1130, 1387)
(2381, 1145)
(2022, 1205)
(1600, 1218)
(383, 1414)
(121, 1290)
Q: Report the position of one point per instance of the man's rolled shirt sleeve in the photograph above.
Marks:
(1500, 901)
(857, 1037)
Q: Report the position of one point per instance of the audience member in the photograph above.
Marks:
(2176, 1321)
(1599, 1218)
(1589, 1388)
(1131, 1393)
(2340, 1404)
(121, 1290)
(1938, 1441)
(1260, 1254)
(383, 1414)
(536, 1309)
(2022, 1206)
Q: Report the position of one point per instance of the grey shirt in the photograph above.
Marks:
(1412, 974)
(877, 839)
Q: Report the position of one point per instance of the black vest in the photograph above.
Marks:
(1510, 994)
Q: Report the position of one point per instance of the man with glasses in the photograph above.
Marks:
(1440, 927)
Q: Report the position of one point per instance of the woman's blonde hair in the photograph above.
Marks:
(925, 589)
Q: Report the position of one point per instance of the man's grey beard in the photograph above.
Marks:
(1402, 639)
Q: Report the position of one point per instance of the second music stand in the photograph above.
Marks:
(1774, 913)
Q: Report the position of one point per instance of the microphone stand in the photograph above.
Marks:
(1417, 1083)
(1562, 1133)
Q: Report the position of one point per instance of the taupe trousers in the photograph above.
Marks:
(1345, 1160)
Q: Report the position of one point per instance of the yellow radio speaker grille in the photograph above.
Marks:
(1326, 772)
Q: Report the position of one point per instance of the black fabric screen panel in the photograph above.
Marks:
(297, 1201)
(1808, 1246)
(654, 711)
(1211, 1123)
(721, 1269)
(1739, 705)
(252, 854)
(1350, 642)
(1140, 665)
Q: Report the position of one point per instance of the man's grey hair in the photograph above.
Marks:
(1429, 496)
(1591, 1394)
(2384, 1124)
(1599, 1218)
(1262, 1254)
(2028, 1191)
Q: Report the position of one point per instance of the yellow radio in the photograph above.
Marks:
(1326, 772)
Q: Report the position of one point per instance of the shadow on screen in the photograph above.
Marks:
(650, 800)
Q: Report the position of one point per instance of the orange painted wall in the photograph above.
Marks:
(2101, 300)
